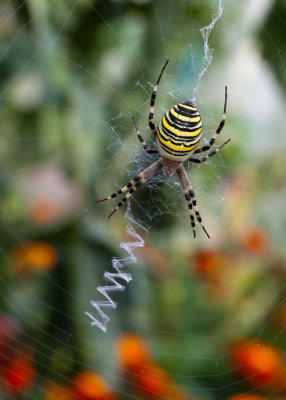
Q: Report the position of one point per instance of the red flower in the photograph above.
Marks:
(154, 382)
(18, 376)
(9, 329)
(259, 363)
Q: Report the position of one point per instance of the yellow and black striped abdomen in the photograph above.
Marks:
(179, 132)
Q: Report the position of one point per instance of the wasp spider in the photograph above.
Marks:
(178, 135)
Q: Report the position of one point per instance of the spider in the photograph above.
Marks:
(178, 135)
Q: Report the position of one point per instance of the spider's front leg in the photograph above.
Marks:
(146, 148)
(221, 125)
(212, 153)
(153, 98)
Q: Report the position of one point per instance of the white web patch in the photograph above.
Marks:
(206, 31)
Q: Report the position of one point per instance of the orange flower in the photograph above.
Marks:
(132, 351)
(154, 382)
(91, 386)
(30, 256)
(54, 391)
(255, 239)
(18, 376)
(259, 363)
(149, 379)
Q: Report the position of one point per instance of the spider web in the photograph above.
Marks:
(117, 264)
(68, 135)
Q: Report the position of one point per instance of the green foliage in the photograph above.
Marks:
(72, 74)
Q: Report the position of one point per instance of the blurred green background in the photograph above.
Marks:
(72, 75)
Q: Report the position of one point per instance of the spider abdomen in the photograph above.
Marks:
(179, 132)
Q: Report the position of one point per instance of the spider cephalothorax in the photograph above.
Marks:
(178, 135)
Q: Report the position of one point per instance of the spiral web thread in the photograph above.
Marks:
(118, 265)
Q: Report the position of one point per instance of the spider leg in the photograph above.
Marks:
(212, 153)
(129, 194)
(153, 98)
(221, 125)
(122, 190)
(146, 148)
(135, 183)
(191, 199)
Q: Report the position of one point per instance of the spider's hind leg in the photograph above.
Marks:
(126, 197)
(134, 184)
(191, 199)
(122, 190)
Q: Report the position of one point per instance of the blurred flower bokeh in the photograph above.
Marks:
(201, 319)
